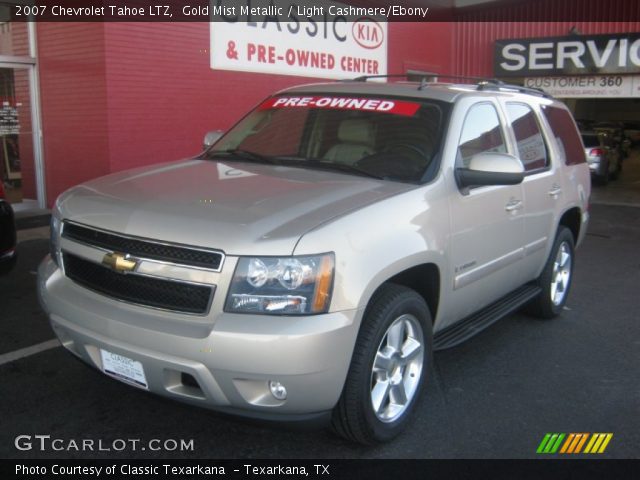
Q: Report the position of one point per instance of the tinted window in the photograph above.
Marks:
(531, 147)
(565, 133)
(481, 132)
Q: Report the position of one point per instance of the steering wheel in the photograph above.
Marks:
(406, 146)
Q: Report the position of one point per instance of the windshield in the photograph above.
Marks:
(384, 138)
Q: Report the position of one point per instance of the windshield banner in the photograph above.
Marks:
(396, 107)
(329, 40)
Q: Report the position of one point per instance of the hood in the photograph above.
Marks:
(238, 207)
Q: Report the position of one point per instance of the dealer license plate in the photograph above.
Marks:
(123, 368)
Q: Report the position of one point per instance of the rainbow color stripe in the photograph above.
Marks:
(573, 443)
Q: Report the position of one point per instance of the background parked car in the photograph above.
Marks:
(604, 160)
(7, 234)
(615, 137)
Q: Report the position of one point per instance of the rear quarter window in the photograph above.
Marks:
(532, 150)
(566, 134)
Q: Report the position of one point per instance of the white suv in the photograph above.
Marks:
(306, 265)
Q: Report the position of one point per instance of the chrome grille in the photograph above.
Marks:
(142, 290)
(143, 248)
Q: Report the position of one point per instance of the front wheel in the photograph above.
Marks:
(388, 368)
(555, 279)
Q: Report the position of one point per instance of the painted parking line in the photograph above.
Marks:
(28, 351)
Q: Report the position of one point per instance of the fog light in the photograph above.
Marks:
(277, 390)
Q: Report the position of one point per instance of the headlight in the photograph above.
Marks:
(54, 238)
(282, 286)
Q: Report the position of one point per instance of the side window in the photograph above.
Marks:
(531, 147)
(565, 133)
(481, 132)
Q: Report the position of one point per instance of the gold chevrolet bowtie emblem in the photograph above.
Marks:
(119, 262)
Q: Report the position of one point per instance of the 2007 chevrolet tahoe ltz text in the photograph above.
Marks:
(306, 265)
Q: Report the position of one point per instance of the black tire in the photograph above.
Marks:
(543, 306)
(616, 173)
(354, 417)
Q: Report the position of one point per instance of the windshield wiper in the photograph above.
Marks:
(243, 155)
(342, 167)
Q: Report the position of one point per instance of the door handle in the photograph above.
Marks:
(513, 205)
(555, 190)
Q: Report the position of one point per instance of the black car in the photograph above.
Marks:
(7, 234)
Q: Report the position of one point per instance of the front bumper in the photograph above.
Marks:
(231, 358)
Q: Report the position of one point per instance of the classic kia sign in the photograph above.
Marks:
(571, 55)
(329, 40)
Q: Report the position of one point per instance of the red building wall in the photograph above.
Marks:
(73, 103)
(121, 95)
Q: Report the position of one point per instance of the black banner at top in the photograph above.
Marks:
(221, 10)
(314, 10)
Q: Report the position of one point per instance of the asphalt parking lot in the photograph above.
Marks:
(493, 397)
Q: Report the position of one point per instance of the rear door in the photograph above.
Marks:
(542, 186)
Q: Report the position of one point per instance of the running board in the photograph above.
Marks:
(470, 326)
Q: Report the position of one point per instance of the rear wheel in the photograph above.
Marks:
(388, 369)
(555, 279)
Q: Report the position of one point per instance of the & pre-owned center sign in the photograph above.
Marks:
(293, 37)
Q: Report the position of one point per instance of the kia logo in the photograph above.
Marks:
(367, 33)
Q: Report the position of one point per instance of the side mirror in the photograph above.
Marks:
(212, 137)
(490, 169)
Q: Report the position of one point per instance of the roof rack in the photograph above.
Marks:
(413, 74)
(501, 86)
(364, 78)
(481, 83)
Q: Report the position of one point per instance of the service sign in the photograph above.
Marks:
(323, 39)
(588, 86)
(571, 55)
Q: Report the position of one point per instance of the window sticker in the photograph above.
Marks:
(381, 105)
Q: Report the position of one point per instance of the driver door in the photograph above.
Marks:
(487, 223)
